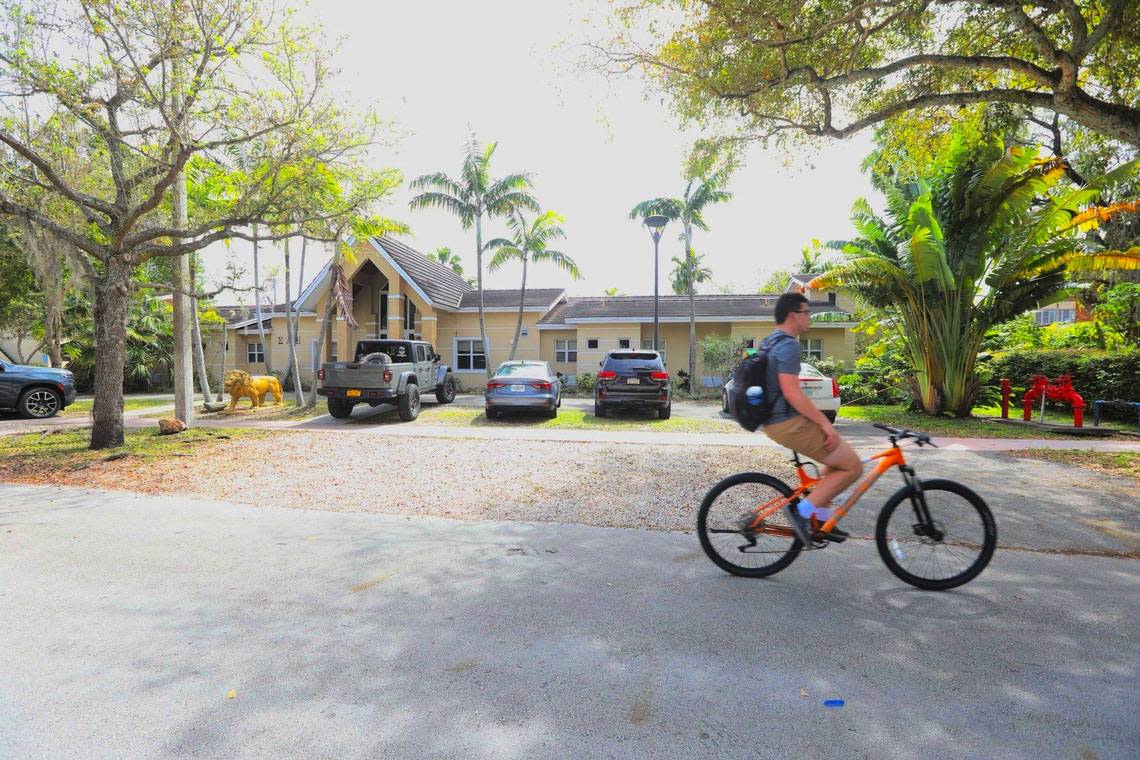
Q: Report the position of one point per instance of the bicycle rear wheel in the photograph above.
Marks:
(937, 539)
(723, 526)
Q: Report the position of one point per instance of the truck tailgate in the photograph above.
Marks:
(352, 375)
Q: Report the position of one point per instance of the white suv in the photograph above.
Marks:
(821, 389)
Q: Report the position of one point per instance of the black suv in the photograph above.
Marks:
(633, 379)
(35, 392)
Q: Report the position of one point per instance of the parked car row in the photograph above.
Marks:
(823, 391)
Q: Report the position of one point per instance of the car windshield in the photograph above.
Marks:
(806, 370)
(521, 370)
(634, 361)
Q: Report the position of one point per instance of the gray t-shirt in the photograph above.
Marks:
(783, 359)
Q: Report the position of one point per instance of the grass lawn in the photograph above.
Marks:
(576, 419)
(33, 455)
(1125, 463)
(970, 427)
(83, 405)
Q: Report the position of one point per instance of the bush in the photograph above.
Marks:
(585, 382)
(1096, 375)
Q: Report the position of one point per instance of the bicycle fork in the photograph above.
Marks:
(925, 525)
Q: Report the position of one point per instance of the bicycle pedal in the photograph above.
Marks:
(836, 537)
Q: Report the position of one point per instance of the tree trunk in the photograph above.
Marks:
(200, 355)
(199, 350)
(522, 304)
(692, 286)
(112, 293)
(291, 332)
(257, 307)
(319, 357)
(479, 273)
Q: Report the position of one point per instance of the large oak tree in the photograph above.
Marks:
(830, 68)
(103, 105)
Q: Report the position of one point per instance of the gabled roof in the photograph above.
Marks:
(671, 308)
(537, 299)
(439, 283)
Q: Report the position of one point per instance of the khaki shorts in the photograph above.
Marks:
(800, 435)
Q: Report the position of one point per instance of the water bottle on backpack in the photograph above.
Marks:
(755, 395)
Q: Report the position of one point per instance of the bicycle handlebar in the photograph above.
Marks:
(896, 433)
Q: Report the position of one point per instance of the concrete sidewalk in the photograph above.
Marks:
(165, 627)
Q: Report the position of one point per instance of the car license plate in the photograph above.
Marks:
(518, 388)
(352, 393)
(633, 381)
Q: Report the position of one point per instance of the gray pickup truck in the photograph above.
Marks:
(385, 372)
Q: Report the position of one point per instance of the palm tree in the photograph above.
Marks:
(611, 292)
(471, 197)
(448, 259)
(689, 210)
(986, 236)
(528, 243)
(687, 273)
(811, 258)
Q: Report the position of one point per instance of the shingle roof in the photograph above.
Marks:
(235, 314)
(441, 284)
(670, 307)
(536, 298)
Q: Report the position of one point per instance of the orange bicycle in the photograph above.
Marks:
(933, 534)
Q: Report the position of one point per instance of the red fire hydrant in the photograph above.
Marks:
(1061, 390)
(1005, 390)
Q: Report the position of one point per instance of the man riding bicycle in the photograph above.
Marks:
(798, 425)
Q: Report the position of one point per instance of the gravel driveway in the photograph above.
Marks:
(1038, 505)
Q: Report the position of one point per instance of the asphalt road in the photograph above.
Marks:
(158, 626)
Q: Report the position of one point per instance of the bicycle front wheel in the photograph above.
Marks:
(937, 538)
(724, 526)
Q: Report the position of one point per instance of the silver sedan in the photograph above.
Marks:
(523, 385)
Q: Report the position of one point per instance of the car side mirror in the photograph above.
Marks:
(436, 357)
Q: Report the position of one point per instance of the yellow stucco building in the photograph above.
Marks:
(398, 292)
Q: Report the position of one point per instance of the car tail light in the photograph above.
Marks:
(321, 373)
(387, 375)
(607, 374)
(834, 388)
(542, 386)
(659, 375)
(495, 384)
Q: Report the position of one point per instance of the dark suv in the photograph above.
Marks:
(633, 379)
(35, 392)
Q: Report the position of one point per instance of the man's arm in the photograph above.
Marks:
(794, 395)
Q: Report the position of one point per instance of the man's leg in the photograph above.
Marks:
(842, 468)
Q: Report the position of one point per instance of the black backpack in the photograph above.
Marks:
(753, 370)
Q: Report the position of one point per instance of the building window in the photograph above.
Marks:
(469, 355)
(811, 348)
(591, 342)
(647, 345)
(1055, 316)
(254, 353)
(832, 298)
(565, 351)
(623, 342)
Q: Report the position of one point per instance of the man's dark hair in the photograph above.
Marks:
(786, 304)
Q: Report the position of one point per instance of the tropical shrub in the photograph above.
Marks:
(983, 237)
(585, 382)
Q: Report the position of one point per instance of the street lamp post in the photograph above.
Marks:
(656, 224)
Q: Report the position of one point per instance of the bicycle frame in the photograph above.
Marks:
(888, 458)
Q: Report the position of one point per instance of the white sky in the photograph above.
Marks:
(508, 70)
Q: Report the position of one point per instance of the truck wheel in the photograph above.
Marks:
(445, 393)
(599, 409)
(410, 403)
(340, 408)
(39, 403)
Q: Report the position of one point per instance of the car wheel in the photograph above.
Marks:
(551, 413)
(599, 409)
(724, 401)
(39, 403)
(445, 393)
(339, 408)
(492, 414)
(830, 415)
(665, 412)
(410, 403)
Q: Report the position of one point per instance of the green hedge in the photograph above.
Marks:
(1096, 375)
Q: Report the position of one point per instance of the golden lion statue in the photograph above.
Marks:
(240, 384)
